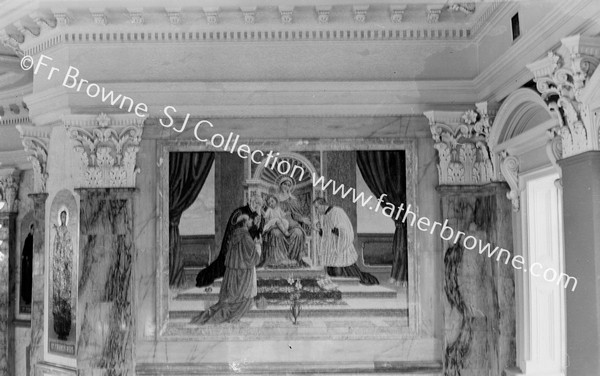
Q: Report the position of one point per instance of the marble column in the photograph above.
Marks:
(106, 251)
(581, 213)
(8, 237)
(478, 296)
(36, 350)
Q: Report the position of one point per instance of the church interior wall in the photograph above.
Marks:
(495, 43)
(265, 99)
(428, 249)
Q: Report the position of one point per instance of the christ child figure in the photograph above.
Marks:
(275, 217)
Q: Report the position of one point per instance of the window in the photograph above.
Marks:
(516, 29)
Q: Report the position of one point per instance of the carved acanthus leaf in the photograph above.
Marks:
(9, 190)
(561, 78)
(36, 141)
(107, 148)
(461, 139)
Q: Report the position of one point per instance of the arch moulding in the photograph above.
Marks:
(523, 122)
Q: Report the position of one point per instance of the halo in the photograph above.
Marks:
(283, 178)
(60, 210)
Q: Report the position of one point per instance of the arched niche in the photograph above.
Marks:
(522, 111)
(524, 135)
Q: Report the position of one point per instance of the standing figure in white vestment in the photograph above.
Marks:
(337, 250)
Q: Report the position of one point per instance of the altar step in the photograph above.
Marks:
(284, 312)
(212, 296)
(366, 310)
(357, 301)
(190, 273)
(350, 288)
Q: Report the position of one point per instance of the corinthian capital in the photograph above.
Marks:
(561, 79)
(461, 139)
(35, 141)
(9, 190)
(107, 148)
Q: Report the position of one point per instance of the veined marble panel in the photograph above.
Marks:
(7, 240)
(106, 244)
(479, 334)
(38, 279)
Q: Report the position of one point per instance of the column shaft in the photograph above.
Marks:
(478, 295)
(8, 235)
(38, 280)
(105, 297)
(581, 210)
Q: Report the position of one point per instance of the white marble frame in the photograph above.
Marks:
(164, 147)
(49, 356)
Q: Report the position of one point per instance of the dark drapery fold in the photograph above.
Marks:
(187, 174)
(385, 172)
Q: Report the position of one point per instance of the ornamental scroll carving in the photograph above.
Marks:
(561, 79)
(107, 148)
(461, 140)
(35, 140)
(510, 170)
(9, 190)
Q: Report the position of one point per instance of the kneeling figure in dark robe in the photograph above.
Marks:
(238, 288)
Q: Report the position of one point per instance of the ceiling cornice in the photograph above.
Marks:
(13, 109)
(92, 22)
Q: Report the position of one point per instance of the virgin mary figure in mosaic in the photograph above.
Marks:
(62, 250)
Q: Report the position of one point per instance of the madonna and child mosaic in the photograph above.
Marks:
(290, 250)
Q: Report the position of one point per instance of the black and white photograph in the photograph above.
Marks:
(283, 187)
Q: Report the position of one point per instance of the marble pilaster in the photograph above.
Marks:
(38, 280)
(581, 208)
(106, 329)
(478, 298)
(8, 230)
